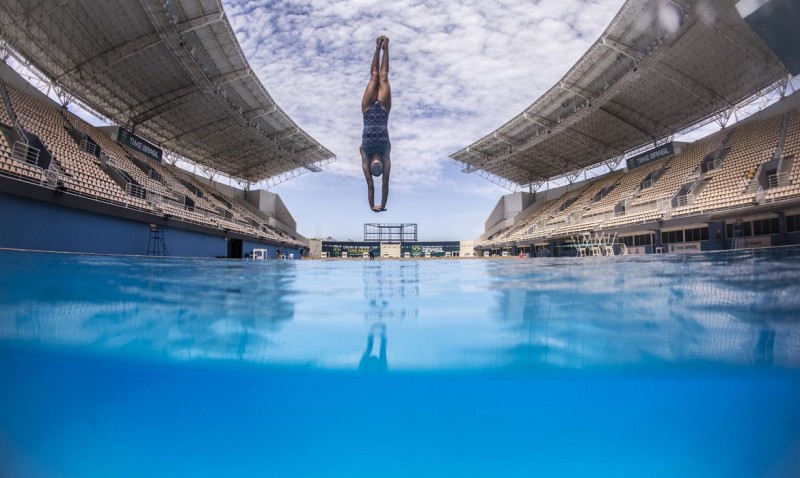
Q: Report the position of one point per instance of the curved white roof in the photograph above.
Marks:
(170, 69)
(659, 67)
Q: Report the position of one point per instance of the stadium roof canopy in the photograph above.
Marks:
(171, 69)
(660, 67)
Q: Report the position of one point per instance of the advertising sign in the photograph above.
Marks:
(754, 242)
(430, 249)
(685, 247)
(351, 249)
(139, 144)
(663, 151)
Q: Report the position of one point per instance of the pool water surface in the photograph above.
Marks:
(658, 366)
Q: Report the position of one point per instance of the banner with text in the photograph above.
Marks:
(350, 249)
(754, 242)
(430, 249)
(685, 247)
(132, 141)
(663, 151)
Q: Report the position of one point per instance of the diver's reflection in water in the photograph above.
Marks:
(371, 363)
(765, 347)
(390, 291)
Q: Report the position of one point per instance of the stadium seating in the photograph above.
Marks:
(148, 185)
(583, 199)
(536, 226)
(241, 218)
(120, 158)
(78, 172)
(5, 119)
(627, 186)
(19, 169)
(737, 155)
(791, 153)
(680, 170)
(751, 144)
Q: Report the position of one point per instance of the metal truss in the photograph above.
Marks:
(638, 86)
(172, 70)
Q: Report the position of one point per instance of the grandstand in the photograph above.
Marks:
(173, 80)
(629, 97)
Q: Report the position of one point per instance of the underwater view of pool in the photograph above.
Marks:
(657, 366)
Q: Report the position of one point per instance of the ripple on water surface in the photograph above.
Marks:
(678, 365)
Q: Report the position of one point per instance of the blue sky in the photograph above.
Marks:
(459, 69)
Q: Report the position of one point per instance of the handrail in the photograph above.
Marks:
(88, 147)
(21, 132)
(25, 153)
(684, 200)
(778, 179)
(135, 190)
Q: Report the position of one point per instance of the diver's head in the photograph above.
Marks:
(376, 165)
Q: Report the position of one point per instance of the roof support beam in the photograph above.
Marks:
(266, 112)
(199, 22)
(159, 105)
(677, 78)
(231, 77)
(625, 122)
(113, 56)
(215, 125)
(527, 173)
(580, 142)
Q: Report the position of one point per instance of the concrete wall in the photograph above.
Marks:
(39, 225)
(314, 248)
(32, 224)
(506, 209)
(272, 205)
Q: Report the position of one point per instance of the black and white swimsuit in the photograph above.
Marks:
(375, 138)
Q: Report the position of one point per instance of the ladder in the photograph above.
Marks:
(737, 234)
(156, 245)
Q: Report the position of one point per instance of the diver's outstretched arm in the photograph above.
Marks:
(368, 177)
(387, 168)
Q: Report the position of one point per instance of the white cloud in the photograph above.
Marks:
(458, 69)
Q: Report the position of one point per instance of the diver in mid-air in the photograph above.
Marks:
(375, 105)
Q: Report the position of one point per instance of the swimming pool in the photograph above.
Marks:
(677, 365)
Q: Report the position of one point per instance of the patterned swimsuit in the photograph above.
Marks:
(375, 138)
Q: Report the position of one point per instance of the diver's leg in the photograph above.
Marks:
(371, 93)
(384, 89)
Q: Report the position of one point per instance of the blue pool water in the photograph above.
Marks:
(669, 366)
